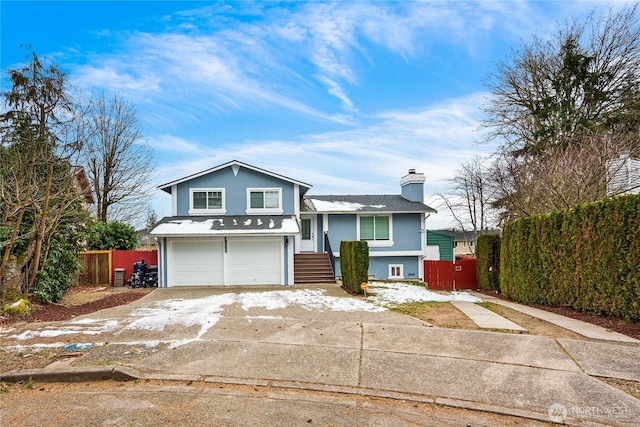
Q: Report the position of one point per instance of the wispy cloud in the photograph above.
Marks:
(433, 140)
(248, 64)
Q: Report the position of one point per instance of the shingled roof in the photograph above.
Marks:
(362, 203)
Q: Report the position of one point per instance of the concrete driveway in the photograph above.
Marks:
(319, 338)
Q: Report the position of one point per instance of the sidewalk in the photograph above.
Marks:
(358, 352)
(585, 329)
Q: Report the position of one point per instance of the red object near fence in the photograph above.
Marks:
(438, 274)
(126, 259)
(446, 275)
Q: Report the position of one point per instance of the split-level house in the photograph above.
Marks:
(237, 224)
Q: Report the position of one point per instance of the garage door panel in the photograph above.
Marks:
(197, 263)
(254, 261)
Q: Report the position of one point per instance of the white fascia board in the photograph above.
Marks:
(164, 187)
(389, 253)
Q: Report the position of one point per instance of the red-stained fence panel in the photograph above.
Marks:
(465, 273)
(438, 275)
(446, 276)
(126, 259)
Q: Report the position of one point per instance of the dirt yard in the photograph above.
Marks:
(78, 301)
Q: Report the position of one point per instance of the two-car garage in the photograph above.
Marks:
(210, 261)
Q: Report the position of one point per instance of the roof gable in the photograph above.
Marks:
(235, 165)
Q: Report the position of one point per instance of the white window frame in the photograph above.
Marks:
(396, 266)
(220, 211)
(376, 243)
(264, 211)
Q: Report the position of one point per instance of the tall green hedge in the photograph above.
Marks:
(354, 264)
(488, 262)
(587, 258)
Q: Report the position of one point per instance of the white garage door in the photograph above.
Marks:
(254, 261)
(196, 263)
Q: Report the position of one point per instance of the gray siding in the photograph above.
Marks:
(379, 267)
(236, 189)
(406, 233)
(341, 227)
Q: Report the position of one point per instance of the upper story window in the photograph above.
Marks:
(376, 230)
(264, 200)
(206, 201)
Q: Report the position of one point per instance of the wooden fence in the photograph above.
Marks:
(98, 267)
(447, 275)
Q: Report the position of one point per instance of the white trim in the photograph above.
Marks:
(220, 211)
(389, 253)
(412, 178)
(296, 200)
(174, 200)
(164, 187)
(313, 228)
(394, 276)
(264, 211)
(376, 243)
(290, 261)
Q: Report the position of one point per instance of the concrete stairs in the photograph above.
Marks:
(312, 268)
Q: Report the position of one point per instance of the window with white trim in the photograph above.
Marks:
(396, 271)
(206, 201)
(264, 200)
(375, 229)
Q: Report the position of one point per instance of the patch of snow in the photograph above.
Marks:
(378, 206)
(203, 312)
(189, 227)
(398, 293)
(309, 299)
(206, 312)
(20, 347)
(335, 206)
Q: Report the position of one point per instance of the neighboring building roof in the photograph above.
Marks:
(226, 225)
(624, 176)
(362, 203)
(459, 235)
(167, 187)
(82, 183)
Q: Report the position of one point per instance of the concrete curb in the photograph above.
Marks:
(123, 373)
(71, 374)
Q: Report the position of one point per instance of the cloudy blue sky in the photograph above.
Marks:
(345, 96)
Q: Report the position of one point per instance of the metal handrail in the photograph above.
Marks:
(327, 249)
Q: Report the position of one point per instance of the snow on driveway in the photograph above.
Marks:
(206, 312)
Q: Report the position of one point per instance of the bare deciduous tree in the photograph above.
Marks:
(568, 113)
(116, 159)
(527, 185)
(471, 196)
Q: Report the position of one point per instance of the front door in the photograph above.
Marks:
(308, 235)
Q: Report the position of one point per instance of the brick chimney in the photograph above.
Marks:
(412, 185)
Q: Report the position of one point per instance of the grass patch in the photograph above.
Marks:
(441, 314)
(415, 308)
